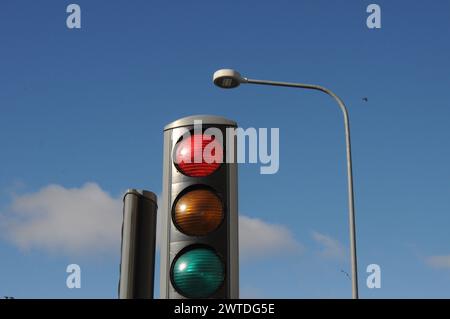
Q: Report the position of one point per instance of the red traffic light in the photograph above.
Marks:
(198, 155)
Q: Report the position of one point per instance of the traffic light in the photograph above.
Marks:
(199, 245)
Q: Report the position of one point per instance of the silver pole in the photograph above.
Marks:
(138, 245)
(351, 203)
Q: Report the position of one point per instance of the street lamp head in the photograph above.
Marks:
(227, 78)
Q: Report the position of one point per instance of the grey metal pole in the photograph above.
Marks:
(137, 265)
(351, 202)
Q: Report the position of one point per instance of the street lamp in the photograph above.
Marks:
(228, 79)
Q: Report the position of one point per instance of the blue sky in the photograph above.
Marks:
(83, 110)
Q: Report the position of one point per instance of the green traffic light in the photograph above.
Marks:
(198, 273)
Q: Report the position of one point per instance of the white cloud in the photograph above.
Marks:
(58, 219)
(331, 248)
(88, 220)
(442, 262)
(258, 238)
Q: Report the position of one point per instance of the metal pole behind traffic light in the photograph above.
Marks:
(138, 245)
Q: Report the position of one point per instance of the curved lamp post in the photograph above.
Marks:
(228, 79)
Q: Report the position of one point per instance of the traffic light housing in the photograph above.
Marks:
(199, 245)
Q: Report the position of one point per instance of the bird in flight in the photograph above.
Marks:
(365, 99)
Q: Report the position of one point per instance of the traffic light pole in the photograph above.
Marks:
(229, 79)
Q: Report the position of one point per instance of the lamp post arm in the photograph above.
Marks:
(351, 202)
